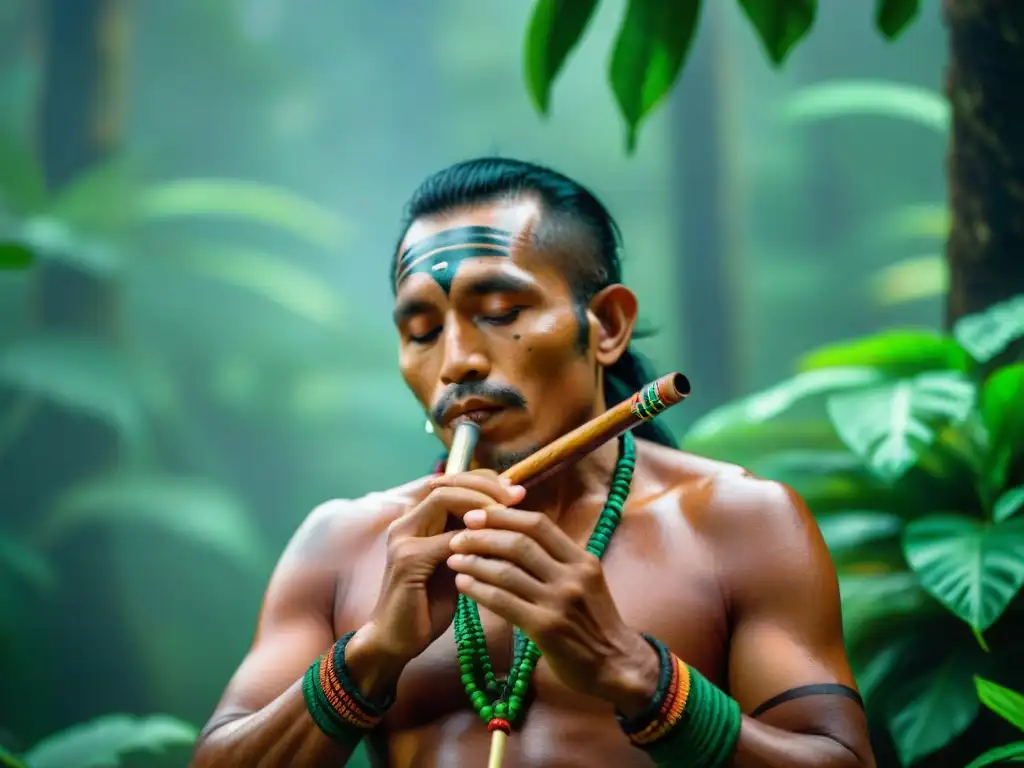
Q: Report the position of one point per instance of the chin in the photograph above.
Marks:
(500, 459)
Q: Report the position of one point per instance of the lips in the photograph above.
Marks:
(476, 411)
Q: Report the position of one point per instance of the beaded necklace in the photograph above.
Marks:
(501, 706)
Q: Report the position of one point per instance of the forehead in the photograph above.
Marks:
(495, 237)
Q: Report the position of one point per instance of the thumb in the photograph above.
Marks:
(437, 549)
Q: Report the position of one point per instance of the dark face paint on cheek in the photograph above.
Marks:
(441, 255)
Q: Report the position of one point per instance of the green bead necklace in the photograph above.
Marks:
(501, 706)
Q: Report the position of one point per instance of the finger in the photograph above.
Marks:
(428, 518)
(508, 606)
(499, 573)
(535, 525)
(515, 547)
(484, 481)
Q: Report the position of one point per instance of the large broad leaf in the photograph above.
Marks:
(15, 256)
(79, 373)
(554, 31)
(1006, 703)
(1002, 410)
(882, 597)
(868, 98)
(934, 708)
(649, 52)
(900, 353)
(1009, 504)
(1010, 753)
(892, 17)
(986, 334)
(776, 400)
(748, 442)
(197, 511)
(248, 201)
(780, 24)
(857, 535)
(973, 568)
(106, 741)
(278, 280)
(890, 425)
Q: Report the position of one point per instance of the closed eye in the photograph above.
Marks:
(505, 319)
(426, 338)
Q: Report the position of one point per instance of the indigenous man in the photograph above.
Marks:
(418, 619)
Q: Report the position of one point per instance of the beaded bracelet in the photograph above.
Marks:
(688, 720)
(335, 703)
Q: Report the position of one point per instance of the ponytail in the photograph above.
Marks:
(629, 375)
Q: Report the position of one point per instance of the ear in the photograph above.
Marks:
(612, 314)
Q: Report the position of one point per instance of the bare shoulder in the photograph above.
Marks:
(338, 529)
(730, 507)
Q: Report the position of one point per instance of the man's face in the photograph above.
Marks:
(489, 330)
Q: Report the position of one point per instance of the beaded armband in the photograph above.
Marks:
(335, 703)
(688, 721)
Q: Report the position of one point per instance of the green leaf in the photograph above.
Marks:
(1008, 504)
(870, 598)
(913, 279)
(893, 16)
(868, 98)
(554, 31)
(973, 568)
(244, 200)
(986, 334)
(196, 510)
(890, 425)
(105, 741)
(778, 399)
(780, 23)
(1006, 703)
(79, 373)
(98, 200)
(276, 279)
(15, 256)
(54, 240)
(7, 760)
(1002, 412)
(899, 353)
(744, 442)
(651, 46)
(24, 563)
(857, 532)
(937, 706)
(1010, 753)
(22, 186)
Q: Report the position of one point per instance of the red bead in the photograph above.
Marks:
(497, 724)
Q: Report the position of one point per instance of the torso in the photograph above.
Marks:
(666, 581)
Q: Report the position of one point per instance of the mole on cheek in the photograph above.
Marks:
(516, 336)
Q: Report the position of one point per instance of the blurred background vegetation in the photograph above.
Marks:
(206, 195)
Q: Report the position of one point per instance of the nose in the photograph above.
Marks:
(464, 360)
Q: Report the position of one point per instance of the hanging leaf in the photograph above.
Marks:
(15, 256)
(105, 741)
(649, 52)
(198, 511)
(1002, 411)
(1008, 504)
(890, 425)
(973, 568)
(776, 400)
(893, 16)
(986, 334)
(1006, 703)
(780, 24)
(278, 280)
(53, 240)
(936, 706)
(555, 29)
(898, 353)
(80, 373)
(868, 98)
(22, 186)
(248, 201)
(1011, 753)
(856, 535)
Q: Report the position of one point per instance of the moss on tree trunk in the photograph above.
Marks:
(985, 85)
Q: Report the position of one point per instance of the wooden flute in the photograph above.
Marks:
(644, 405)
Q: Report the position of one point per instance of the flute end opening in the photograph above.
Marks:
(681, 384)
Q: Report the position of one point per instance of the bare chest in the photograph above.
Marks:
(663, 582)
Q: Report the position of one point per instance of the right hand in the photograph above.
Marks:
(417, 599)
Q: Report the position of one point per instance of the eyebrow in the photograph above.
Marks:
(482, 286)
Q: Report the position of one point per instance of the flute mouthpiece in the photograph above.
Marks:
(463, 444)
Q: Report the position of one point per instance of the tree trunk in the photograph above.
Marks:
(986, 156)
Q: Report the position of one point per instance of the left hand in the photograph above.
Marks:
(522, 567)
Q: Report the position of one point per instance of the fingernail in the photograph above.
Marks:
(476, 517)
(518, 489)
(455, 560)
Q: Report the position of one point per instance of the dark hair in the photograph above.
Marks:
(565, 201)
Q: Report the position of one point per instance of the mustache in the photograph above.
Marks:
(499, 394)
